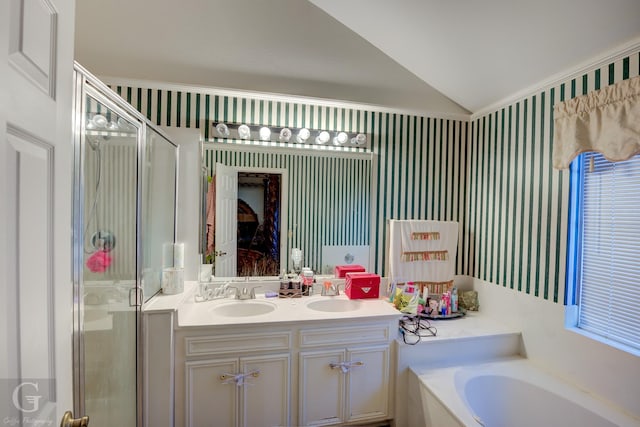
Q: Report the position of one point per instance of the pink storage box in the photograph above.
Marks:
(342, 270)
(362, 285)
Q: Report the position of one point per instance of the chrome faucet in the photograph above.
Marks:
(245, 293)
(330, 289)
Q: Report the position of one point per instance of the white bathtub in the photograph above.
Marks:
(504, 393)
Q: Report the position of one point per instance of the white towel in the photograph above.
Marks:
(401, 242)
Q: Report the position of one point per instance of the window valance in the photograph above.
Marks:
(606, 121)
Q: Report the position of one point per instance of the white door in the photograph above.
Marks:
(211, 398)
(368, 383)
(36, 164)
(321, 388)
(264, 398)
(226, 237)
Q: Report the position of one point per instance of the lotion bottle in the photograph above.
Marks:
(454, 300)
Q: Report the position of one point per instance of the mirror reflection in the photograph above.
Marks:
(249, 229)
(244, 221)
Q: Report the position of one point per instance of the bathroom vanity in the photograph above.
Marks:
(264, 362)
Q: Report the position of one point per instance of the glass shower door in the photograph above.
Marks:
(124, 214)
(108, 249)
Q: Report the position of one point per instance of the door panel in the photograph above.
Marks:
(321, 388)
(33, 41)
(36, 69)
(226, 238)
(28, 179)
(271, 378)
(368, 384)
(211, 400)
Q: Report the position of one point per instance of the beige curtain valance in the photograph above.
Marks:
(606, 120)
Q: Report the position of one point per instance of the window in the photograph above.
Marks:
(603, 275)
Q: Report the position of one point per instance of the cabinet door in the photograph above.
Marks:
(265, 396)
(321, 388)
(209, 400)
(368, 383)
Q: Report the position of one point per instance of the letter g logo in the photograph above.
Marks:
(33, 400)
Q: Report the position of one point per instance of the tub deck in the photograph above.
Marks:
(438, 397)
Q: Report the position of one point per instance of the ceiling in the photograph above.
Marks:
(450, 57)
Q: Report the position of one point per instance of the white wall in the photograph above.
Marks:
(188, 200)
(609, 373)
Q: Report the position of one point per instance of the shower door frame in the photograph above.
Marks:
(87, 84)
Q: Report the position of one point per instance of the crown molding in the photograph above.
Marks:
(279, 97)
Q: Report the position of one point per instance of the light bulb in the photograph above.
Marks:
(323, 137)
(99, 121)
(303, 135)
(265, 133)
(244, 132)
(285, 134)
(341, 138)
(359, 139)
(222, 129)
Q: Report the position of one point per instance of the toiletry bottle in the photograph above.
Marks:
(454, 300)
(307, 281)
(425, 299)
(446, 303)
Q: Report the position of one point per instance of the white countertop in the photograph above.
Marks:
(473, 324)
(194, 314)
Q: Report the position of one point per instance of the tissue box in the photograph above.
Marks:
(362, 285)
(342, 270)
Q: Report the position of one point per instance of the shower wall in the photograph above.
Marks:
(115, 205)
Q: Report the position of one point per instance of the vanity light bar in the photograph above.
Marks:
(308, 138)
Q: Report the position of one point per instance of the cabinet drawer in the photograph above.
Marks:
(374, 333)
(225, 344)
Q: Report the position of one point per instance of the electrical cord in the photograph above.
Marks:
(414, 328)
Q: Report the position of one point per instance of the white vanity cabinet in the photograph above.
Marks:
(293, 366)
(344, 384)
(232, 380)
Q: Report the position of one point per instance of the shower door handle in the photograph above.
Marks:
(136, 296)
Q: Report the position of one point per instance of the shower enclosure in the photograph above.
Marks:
(124, 212)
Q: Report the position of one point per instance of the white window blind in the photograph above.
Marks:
(608, 283)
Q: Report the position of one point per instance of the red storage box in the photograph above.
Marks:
(342, 270)
(362, 285)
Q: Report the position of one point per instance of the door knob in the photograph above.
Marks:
(220, 253)
(69, 421)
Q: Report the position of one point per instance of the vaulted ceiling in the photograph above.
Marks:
(452, 57)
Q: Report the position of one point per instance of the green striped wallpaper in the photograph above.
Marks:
(517, 204)
(417, 169)
(492, 173)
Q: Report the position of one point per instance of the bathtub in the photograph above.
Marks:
(509, 392)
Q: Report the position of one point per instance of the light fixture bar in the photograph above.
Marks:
(288, 135)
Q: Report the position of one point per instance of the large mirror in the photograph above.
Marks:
(257, 206)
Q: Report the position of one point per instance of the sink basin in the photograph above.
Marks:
(243, 308)
(335, 305)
